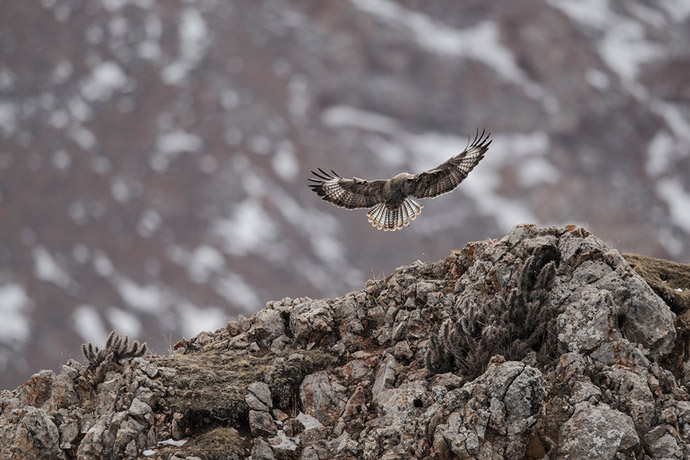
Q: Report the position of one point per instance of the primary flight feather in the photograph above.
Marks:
(392, 201)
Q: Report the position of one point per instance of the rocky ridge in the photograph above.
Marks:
(355, 377)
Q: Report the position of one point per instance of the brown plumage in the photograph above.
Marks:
(392, 201)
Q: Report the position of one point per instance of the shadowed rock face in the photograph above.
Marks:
(349, 378)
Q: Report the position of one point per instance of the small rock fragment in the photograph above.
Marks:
(261, 423)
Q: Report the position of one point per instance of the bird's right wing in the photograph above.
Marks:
(347, 193)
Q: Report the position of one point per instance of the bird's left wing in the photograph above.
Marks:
(347, 193)
(448, 175)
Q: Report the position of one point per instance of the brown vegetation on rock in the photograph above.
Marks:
(117, 347)
(670, 280)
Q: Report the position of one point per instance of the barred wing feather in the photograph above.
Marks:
(347, 193)
(447, 176)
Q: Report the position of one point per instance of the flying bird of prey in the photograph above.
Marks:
(392, 201)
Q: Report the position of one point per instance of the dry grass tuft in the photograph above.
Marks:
(670, 280)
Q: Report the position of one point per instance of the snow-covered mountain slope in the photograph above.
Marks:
(154, 155)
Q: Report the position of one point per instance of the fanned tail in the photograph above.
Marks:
(391, 219)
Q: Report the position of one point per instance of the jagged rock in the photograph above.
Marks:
(359, 369)
(631, 393)
(63, 392)
(38, 388)
(34, 437)
(255, 403)
(280, 343)
(323, 397)
(663, 442)
(262, 450)
(282, 444)
(402, 351)
(449, 381)
(98, 441)
(506, 401)
(268, 326)
(293, 427)
(279, 415)
(356, 405)
(396, 431)
(261, 423)
(598, 432)
(310, 321)
(315, 452)
(139, 408)
(385, 378)
(378, 375)
(311, 428)
(262, 392)
(606, 299)
(69, 430)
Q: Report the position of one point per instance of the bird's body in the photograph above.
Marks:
(396, 189)
(392, 201)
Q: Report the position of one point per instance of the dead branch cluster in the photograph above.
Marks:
(513, 323)
(117, 347)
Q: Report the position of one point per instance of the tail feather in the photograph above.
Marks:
(409, 211)
(374, 212)
(391, 219)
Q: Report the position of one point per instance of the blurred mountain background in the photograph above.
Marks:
(154, 154)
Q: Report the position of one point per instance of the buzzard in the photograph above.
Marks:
(392, 201)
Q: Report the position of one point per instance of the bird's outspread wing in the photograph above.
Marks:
(448, 175)
(347, 193)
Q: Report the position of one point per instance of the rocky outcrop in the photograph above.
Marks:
(584, 361)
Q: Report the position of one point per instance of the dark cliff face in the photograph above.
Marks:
(585, 361)
(154, 154)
